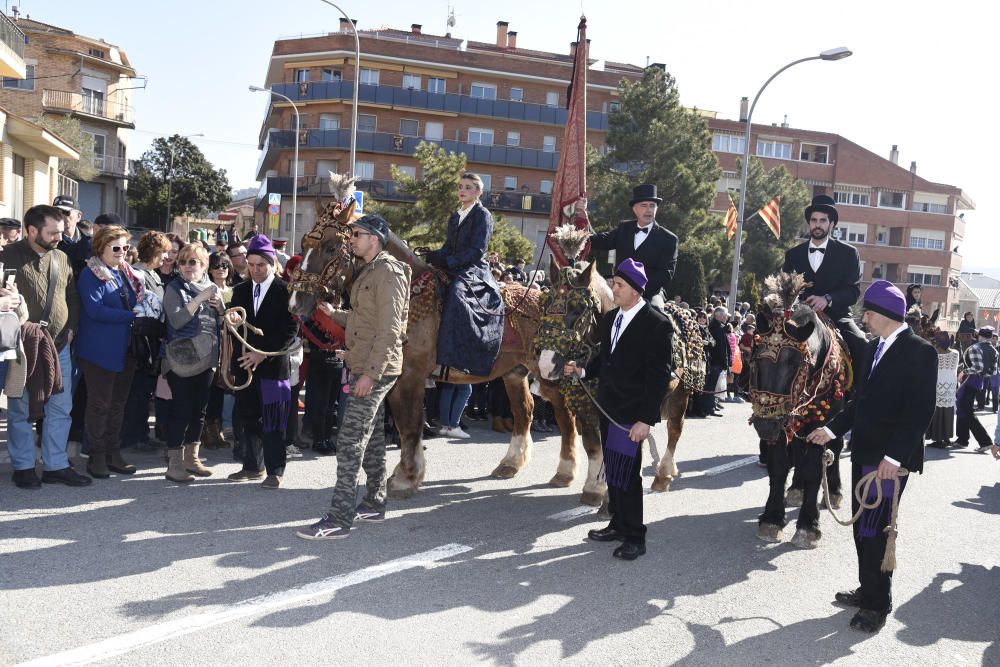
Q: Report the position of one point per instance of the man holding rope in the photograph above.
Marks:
(889, 414)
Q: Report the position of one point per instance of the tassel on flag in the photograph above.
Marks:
(730, 220)
(771, 215)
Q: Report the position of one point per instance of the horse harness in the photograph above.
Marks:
(333, 220)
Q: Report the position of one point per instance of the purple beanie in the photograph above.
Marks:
(634, 273)
(885, 298)
(261, 245)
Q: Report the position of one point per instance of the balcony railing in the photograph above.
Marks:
(446, 102)
(383, 142)
(11, 35)
(64, 100)
(67, 186)
(115, 166)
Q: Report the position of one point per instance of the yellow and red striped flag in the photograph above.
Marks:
(730, 220)
(771, 215)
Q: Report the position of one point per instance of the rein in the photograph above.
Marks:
(238, 330)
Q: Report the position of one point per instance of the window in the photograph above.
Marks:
(369, 76)
(365, 171)
(302, 76)
(549, 144)
(771, 148)
(510, 182)
(545, 187)
(330, 74)
(486, 91)
(513, 138)
(435, 85)
(551, 99)
(517, 94)
(366, 122)
(288, 222)
(97, 53)
(924, 275)
(291, 168)
(481, 136)
(891, 200)
(411, 81)
(409, 127)
(100, 146)
(407, 170)
(615, 106)
(852, 232)
(93, 102)
(433, 131)
(28, 83)
(329, 121)
(852, 198)
(728, 143)
(487, 182)
(813, 153)
(928, 207)
(930, 239)
(325, 167)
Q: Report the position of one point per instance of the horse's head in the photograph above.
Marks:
(327, 263)
(570, 311)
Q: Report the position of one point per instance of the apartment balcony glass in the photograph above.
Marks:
(11, 50)
(90, 105)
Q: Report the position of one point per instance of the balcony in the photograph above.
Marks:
(393, 144)
(112, 166)
(88, 106)
(67, 186)
(11, 50)
(440, 102)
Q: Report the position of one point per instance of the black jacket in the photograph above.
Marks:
(275, 321)
(839, 275)
(890, 411)
(720, 354)
(633, 380)
(658, 253)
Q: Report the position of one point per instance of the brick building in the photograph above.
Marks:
(87, 79)
(906, 228)
(501, 105)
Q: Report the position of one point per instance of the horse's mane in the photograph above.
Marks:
(782, 290)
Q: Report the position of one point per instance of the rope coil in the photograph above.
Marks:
(237, 328)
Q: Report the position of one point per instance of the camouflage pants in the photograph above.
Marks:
(361, 443)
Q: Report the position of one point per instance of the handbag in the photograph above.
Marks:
(187, 357)
(10, 331)
(145, 342)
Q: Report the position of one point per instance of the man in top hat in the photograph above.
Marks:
(889, 414)
(10, 231)
(633, 371)
(834, 271)
(642, 240)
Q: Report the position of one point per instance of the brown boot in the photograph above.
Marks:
(119, 465)
(97, 466)
(209, 436)
(191, 461)
(497, 425)
(175, 467)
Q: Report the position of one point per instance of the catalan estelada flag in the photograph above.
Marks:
(771, 215)
(730, 220)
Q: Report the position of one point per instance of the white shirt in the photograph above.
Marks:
(624, 316)
(640, 237)
(816, 258)
(259, 298)
(463, 212)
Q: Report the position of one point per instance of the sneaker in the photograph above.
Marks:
(984, 449)
(293, 452)
(366, 513)
(324, 529)
(737, 399)
(457, 432)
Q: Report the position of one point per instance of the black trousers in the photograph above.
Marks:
(876, 585)
(189, 400)
(625, 505)
(262, 450)
(967, 421)
(324, 387)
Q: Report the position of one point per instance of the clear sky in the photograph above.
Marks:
(922, 74)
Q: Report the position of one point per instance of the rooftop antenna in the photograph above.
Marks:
(451, 19)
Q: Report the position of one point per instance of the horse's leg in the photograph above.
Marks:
(793, 497)
(566, 470)
(407, 403)
(521, 404)
(771, 522)
(808, 458)
(674, 408)
(595, 491)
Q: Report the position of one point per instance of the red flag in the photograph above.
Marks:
(730, 220)
(571, 176)
(771, 215)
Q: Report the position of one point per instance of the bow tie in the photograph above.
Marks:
(822, 250)
(642, 230)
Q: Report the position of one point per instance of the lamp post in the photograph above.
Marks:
(170, 176)
(830, 54)
(357, 80)
(295, 166)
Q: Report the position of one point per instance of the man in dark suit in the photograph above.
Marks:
(889, 414)
(263, 407)
(633, 370)
(834, 270)
(643, 241)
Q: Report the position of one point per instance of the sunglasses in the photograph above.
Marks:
(189, 262)
(356, 234)
(121, 248)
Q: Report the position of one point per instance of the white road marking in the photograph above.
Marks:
(574, 513)
(725, 467)
(186, 625)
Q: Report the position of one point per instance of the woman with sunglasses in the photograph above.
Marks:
(109, 290)
(220, 270)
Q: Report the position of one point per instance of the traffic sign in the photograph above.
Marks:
(274, 209)
(359, 196)
(272, 223)
(274, 199)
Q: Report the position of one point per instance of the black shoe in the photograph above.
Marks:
(869, 620)
(958, 444)
(26, 479)
(938, 444)
(849, 598)
(629, 551)
(608, 534)
(324, 448)
(66, 476)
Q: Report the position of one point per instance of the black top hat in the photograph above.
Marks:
(644, 192)
(823, 204)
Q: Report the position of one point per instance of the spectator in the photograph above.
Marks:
(718, 361)
(452, 403)
(238, 256)
(942, 427)
(38, 264)
(980, 358)
(279, 251)
(74, 243)
(219, 271)
(10, 231)
(109, 290)
(735, 367)
(168, 269)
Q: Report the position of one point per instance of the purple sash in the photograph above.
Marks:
(619, 456)
(870, 518)
(275, 397)
(972, 383)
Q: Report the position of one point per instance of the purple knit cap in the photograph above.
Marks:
(885, 299)
(634, 273)
(261, 245)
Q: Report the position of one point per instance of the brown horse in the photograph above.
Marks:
(327, 271)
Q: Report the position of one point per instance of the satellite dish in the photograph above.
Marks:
(451, 21)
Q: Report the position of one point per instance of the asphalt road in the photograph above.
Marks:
(476, 570)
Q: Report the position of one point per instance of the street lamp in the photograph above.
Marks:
(357, 80)
(838, 53)
(170, 174)
(295, 167)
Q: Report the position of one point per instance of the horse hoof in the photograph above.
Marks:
(604, 514)
(793, 497)
(661, 485)
(806, 539)
(835, 500)
(401, 493)
(769, 532)
(561, 481)
(592, 499)
(504, 471)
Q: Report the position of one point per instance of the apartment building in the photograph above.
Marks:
(906, 229)
(88, 79)
(501, 105)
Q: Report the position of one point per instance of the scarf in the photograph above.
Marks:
(275, 398)
(868, 524)
(620, 454)
(105, 274)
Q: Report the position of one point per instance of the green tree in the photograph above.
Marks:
(197, 187)
(69, 130)
(508, 242)
(689, 277)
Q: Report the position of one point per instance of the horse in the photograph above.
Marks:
(327, 271)
(799, 373)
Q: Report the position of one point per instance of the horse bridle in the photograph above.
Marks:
(557, 303)
(340, 267)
